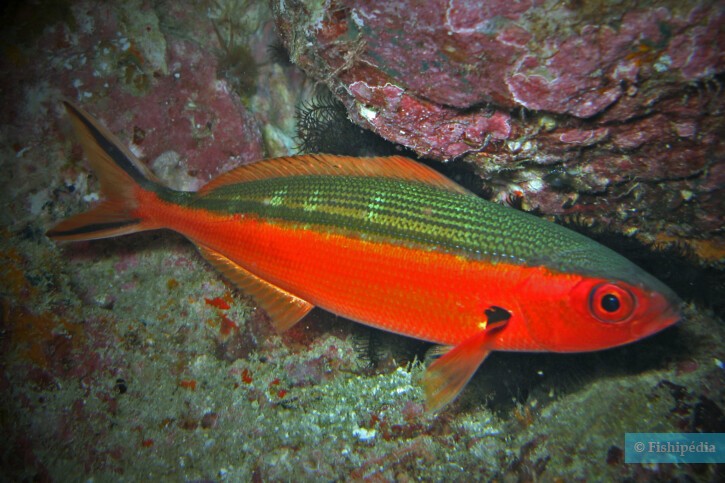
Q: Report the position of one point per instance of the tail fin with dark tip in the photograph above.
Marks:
(122, 177)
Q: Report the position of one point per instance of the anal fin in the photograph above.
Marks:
(283, 308)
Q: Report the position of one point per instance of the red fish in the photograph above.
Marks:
(389, 243)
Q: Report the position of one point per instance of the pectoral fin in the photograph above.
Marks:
(283, 308)
(447, 376)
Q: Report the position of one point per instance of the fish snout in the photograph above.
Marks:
(662, 311)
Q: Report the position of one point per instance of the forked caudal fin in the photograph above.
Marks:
(122, 177)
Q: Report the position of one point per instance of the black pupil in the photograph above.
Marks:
(610, 303)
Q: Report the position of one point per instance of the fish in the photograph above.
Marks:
(390, 243)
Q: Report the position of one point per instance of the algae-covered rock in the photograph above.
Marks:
(622, 99)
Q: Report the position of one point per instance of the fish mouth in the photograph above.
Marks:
(664, 311)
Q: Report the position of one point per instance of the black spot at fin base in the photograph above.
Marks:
(496, 317)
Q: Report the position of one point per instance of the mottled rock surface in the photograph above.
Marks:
(600, 109)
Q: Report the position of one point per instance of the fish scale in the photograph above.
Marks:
(404, 211)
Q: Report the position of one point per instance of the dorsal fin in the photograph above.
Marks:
(283, 308)
(396, 167)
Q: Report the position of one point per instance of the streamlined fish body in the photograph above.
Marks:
(389, 243)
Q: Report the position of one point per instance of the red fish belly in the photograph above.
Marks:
(428, 294)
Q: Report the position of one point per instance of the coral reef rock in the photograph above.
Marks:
(603, 109)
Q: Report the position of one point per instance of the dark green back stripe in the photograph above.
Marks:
(417, 214)
(397, 211)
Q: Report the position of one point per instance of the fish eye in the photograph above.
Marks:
(610, 302)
